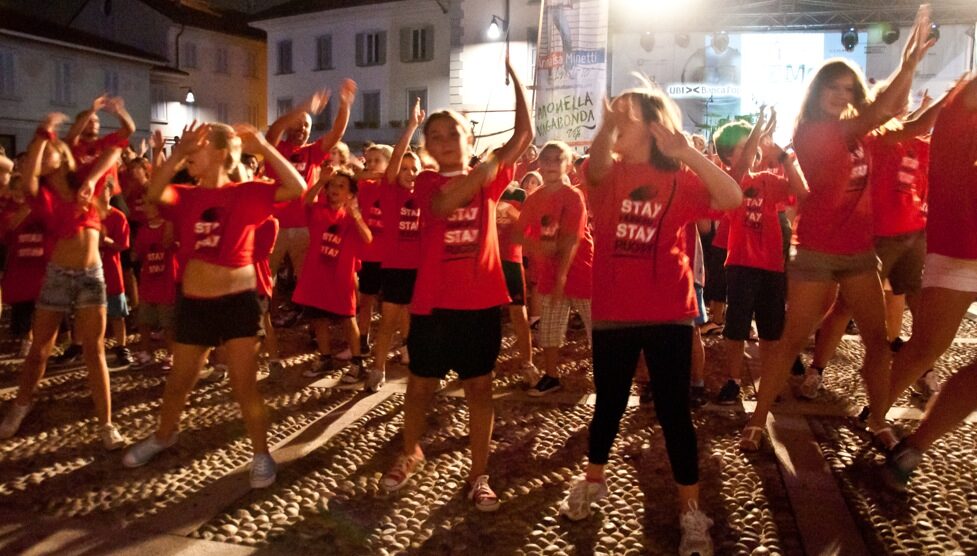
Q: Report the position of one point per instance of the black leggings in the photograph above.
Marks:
(668, 350)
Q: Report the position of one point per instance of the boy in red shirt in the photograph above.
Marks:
(755, 279)
(115, 240)
(264, 242)
(155, 251)
(369, 198)
(327, 288)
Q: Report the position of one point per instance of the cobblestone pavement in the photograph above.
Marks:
(335, 442)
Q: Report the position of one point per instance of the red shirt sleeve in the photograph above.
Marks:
(574, 220)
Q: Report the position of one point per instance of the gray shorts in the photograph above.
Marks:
(68, 289)
(902, 259)
(815, 266)
(157, 316)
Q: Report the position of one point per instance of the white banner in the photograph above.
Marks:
(571, 70)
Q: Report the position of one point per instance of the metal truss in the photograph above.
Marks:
(800, 14)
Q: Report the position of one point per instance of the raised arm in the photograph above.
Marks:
(117, 106)
(920, 125)
(312, 105)
(194, 136)
(523, 131)
(290, 184)
(723, 190)
(601, 160)
(465, 187)
(331, 138)
(82, 121)
(361, 228)
(324, 175)
(890, 101)
(35, 151)
(400, 149)
(742, 165)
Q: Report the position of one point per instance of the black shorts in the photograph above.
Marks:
(467, 342)
(754, 292)
(515, 282)
(313, 313)
(398, 285)
(370, 278)
(21, 317)
(213, 321)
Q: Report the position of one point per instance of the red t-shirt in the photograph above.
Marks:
(721, 239)
(86, 153)
(216, 225)
(755, 237)
(67, 217)
(371, 205)
(306, 159)
(157, 273)
(951, 230)
(898, 185)
(115, 227)
(134, 194)
(510, 251)
(836, 217)
(28, 249)
(328, 280)
(402, 244)
(548, 215)
(460, 263)
(641, 270)
(264, 242)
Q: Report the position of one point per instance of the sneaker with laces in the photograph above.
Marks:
(374, 379)
(400, 473)
(12, 420)
(546, 385)
(899, 466)
(695, 532)
(582, 494)
(263, 471)
(530, 374)
(483, 496)
(355, 371)
(141, 360)
(729, 394)
(71, 356)
(112, 439)
(142, 452)
(123, 358)
(811, 384)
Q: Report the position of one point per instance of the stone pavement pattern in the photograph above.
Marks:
(60, 492)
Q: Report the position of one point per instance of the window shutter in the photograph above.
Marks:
(428, 42)
(405, 44)
(360, 48)
(382, 55)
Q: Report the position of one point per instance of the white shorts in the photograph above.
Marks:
(950, 273)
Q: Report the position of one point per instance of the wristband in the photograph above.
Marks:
(45, 134)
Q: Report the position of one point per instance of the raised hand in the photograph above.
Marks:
(100, 102)
(771, 124)
(919, 41)
(52, 120)
(143, 148)
(194, 136)
(252, 140)
(619, 112)
(114, 105)
(347, 92)
(416, 115)
(156, 140)
(672, 144)
(317, 102)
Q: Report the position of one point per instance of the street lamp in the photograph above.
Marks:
(189, 99)
(497, 27)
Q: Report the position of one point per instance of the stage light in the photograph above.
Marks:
(934, 32)
(890, 33)
(849, 39)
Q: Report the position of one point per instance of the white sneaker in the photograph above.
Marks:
(263, 471)
(375, 379)
(530, 374)
(140, 453)
(583, 493)
(483, 496)
(695, 532)
(811, 384)
(112, 439)
(13, 419)
(344, 355)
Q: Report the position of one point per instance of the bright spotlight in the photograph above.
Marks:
(849, 39)
(190, 99)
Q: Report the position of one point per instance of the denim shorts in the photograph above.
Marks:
(118, 306)
(67, 289)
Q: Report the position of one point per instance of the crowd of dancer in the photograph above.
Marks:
(872, 209)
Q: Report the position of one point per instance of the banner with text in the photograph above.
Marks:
(571, 70)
